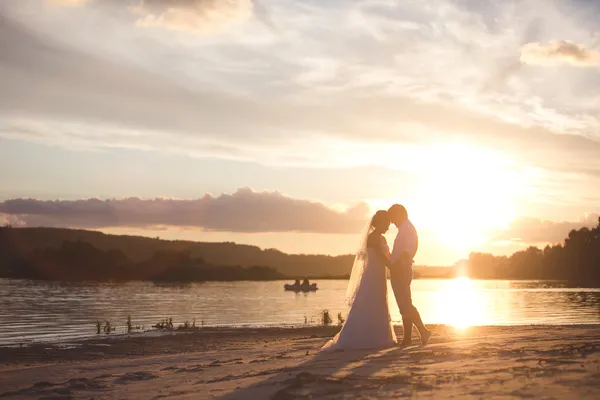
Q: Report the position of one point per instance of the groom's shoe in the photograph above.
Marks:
(405, 343)
(425, 336)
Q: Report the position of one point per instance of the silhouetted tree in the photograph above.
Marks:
(576, 260)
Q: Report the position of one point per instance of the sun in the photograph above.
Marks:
(465, 194)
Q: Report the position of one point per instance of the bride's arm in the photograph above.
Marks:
(381, 254)
(384, 258)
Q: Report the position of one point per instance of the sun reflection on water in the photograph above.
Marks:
(459, 303)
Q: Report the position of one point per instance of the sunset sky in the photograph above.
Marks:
(284, 124)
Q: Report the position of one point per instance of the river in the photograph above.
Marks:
(51, 311)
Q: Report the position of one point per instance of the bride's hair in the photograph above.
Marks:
(380, 218)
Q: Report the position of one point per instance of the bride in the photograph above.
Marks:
(368, 325)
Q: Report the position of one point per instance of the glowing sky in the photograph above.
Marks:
(285, 123)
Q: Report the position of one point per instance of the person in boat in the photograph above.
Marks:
(305, 284)
(297, 283)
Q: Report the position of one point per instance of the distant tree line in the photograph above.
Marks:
(80, 261)
(68, 254)
(18, 243)
(576, 260)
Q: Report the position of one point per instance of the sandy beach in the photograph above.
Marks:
(545, 362)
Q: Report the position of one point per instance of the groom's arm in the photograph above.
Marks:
(404, 247)
(399, 254)
(400, 261)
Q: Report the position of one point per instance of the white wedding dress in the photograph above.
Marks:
(368, 325)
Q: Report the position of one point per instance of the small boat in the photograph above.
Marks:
(301, 288)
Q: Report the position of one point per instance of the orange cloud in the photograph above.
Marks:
(197, 16)
(534, 231)
(69, 3)
(559, 52)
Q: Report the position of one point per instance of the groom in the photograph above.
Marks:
(401, 274)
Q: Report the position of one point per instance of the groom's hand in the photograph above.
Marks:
(404, 258)
(403, 261)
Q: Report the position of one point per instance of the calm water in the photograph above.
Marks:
(49, 311)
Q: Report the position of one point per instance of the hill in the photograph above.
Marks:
(17, 243)
(70, 252)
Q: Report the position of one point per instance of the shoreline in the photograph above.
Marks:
(567, 284)
(107, 339)
(542, 361)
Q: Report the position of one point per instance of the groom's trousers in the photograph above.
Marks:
(401, 279)
(403, 295)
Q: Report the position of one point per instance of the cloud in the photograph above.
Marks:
(537, 231)
(559, 52)
(195, 16)
(11, 220)
(68, 3)
(198, 16)
(342, 86)
(43, 80)
(244, 211)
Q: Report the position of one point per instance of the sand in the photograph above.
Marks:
(543, 362)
